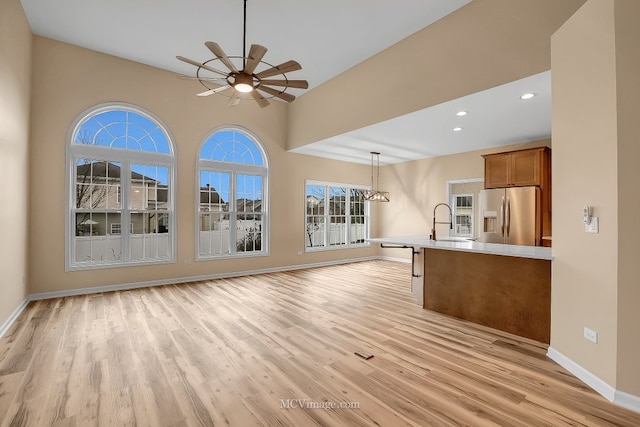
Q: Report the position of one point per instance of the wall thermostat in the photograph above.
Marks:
(586, 214)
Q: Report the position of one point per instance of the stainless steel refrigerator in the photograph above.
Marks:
(510, 215)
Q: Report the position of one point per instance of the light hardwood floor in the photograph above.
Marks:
(278, 350)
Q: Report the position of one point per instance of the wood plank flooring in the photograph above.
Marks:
(278, 350)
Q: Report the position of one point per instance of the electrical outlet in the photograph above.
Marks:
(591, 335)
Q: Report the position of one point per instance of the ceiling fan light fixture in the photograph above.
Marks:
(243, 82)
(243, 87)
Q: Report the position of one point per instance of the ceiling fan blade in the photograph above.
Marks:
(204, 79)
(298, 84)
(198, 64)
(284, 96)
(214, 90)
(219, 53)
(285, 67)
(256, 52)
(262, 102)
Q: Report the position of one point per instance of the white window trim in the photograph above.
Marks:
(126, 158)
(367, 215)
(450, 183)
(234, 169)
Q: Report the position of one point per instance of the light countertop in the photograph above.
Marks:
(534, 252)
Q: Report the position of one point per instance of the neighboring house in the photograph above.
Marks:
(98, 189)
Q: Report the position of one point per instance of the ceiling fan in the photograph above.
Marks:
(247, 84)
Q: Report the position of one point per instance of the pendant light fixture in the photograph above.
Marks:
(375, 195)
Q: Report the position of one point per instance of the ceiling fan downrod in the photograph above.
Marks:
(244, 37)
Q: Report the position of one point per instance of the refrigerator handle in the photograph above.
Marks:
(508, 216)
(502, 216)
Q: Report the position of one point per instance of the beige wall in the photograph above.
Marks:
(417, 186)
(481, 45)
(15, 74)
(627, 13)
(77, 79)
(595, 66)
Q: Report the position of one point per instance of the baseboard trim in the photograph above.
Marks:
(617, 397)
(389, 258)
(13, 316)
(627, 400)
(162, 282)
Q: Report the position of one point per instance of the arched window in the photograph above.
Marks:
(232, 196)
(120, 197)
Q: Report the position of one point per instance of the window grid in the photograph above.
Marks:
(120, 207)
(232, 190)
(463, 215)
(332, 219)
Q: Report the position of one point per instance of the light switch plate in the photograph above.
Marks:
(592, 227)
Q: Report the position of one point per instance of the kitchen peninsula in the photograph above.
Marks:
(506, 287)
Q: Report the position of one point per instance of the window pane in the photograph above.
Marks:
(93, 242)
(315, 199)
(149, 238)
(315, 231)
(463, 215)
(249, 236)
(214, 233)
(231, 146)
(97, 184)
(214, 191)
(123, 129)
(149, 187)
(248, 193)
(337, 216)
(357, 231)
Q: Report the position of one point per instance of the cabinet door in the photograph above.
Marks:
(525, 168)
(496, 170)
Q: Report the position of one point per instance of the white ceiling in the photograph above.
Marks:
(327, 37)
(494, 117)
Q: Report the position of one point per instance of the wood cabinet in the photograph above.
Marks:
(517, 168)
(503, 292)
(523, 168)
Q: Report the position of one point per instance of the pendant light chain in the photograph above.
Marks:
(378, 170)
(372, 187)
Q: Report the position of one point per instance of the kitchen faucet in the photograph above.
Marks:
(433, 228)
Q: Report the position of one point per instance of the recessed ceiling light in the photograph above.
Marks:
(458, 129)
(461, 113)
(528, 96)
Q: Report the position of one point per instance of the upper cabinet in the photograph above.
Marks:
(517, 168)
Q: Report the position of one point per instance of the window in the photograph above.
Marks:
(232, 196)
(336, 216)
(120, 194)
(463, 215)
(116, 228)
